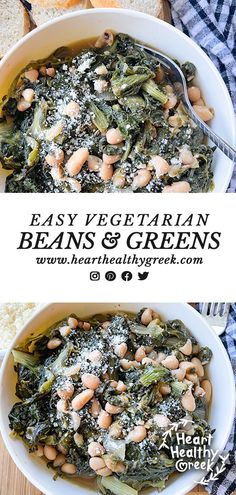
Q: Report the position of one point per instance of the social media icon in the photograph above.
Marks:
(126, 276)
(143, 276)
(110, 276)
(94, 276)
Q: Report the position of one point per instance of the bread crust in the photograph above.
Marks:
(105, 3)
(58, 4)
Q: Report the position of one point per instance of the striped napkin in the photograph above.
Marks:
(226, 484)
(212, 25)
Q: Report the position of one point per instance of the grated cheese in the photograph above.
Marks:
(12, 318)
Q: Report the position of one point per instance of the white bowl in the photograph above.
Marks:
(220, 373)
(154, 32)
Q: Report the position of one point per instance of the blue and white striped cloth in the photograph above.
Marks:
(226, 484)
(212, 25)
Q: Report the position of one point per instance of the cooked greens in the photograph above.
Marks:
(96, 397)
(113, 102)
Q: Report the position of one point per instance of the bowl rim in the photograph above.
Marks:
(135, 14)
(23, 467)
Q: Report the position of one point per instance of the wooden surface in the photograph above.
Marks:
(12, 482)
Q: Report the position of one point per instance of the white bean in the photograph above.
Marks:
(104, 472)
(192, 377)
(72, 109)
(104, 420)
(170, 362)
(113, 409)
(200, 102)
(199, 391)
(56, 159)
(171, 102)
(73, 322)
(140, 354)
(66, 391)
(95, 356)
(194, 93)
(114, 136)
(76, 161)
(121, 387)
(81, 399)
(76, 420)
(53, 343)
(28, 94)
(68, 468)
(50, 71)
(90, 381)
(110, 159)
(101, 70)
(57, 173)
(204, 112)
(186, 349)
(188, 401)
(74, 184)
(100, 85)
(96, 449)
(147, 316)
(121, 349)
(165, 389)
(96, 463)
(95, 408)
(62, 406)
(60, 460)
(106, 172)
(178, 187)
(179, 374)
(137, 434)
(119, 178)
(115, 430)
(32, 75)
(78, 439)
(186, 156)
(65, 331)
(126, 364)
(160, 165)
(142, 178)
(198, 367)
(50, 452)
(206, 385)
(94, 163)
(23, 105)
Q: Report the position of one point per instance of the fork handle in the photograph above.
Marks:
(220, 143)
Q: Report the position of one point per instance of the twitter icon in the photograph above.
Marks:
(143, 276)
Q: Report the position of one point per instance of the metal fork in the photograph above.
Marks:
(216, 315)
(177, 78)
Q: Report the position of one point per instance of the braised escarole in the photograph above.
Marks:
(106, 119)
(96, 396)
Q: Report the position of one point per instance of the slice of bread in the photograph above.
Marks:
(41, 15)
(157, 8)
(152, 7)
(14, 23)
